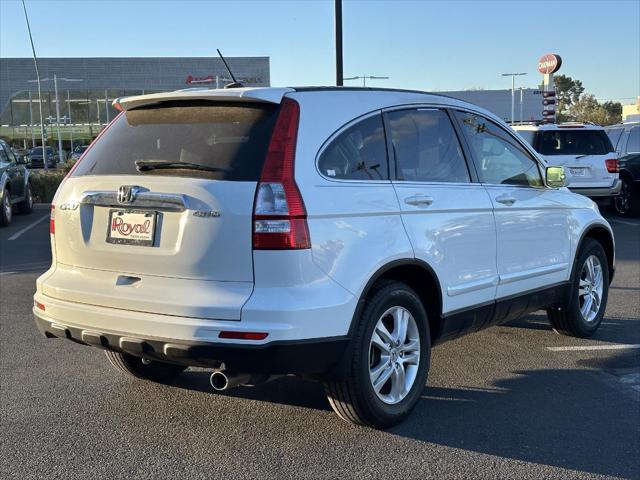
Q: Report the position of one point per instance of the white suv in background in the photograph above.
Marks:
(590, 161)
(333, 233)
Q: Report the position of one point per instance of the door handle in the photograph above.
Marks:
(506, 199)
(419, 201)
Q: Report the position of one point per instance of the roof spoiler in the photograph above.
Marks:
(258, 95)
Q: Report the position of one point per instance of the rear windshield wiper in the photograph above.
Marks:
(148, 165)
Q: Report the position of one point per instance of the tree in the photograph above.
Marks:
(614, 109)
(568, 92)
(588, 109)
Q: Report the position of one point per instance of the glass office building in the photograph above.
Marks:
(87, 87)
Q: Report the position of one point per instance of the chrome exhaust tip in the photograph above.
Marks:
(221, 381)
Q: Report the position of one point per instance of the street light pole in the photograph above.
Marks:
(338, 22)
(35, 62)
(365, 78)
(513, 92)
(55, 87)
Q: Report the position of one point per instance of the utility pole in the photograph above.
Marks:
(513, 92)
(521, 93)
(55, 86)
(35, 62)
(364, 78)
(338, 21)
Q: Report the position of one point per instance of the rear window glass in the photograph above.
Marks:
(633, 145)
(230, 138)
(573, 142)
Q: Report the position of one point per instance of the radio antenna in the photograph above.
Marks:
(235, 83)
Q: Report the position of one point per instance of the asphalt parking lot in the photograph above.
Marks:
(515, 401)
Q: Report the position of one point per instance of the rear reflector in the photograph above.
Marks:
(39, 305)
(244, 335)
(52, 220)
(279, 214)
(612, 165)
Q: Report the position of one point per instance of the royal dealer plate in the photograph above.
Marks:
(131, 227)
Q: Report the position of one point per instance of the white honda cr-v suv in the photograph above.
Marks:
(333, 233)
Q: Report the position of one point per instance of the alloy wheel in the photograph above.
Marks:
(622, 201)
(394, 355)
(590, 288)
(6, 205)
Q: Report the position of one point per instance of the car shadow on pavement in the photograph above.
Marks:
(575, 419)
(283, 390)
(612, 329)
(564, 418)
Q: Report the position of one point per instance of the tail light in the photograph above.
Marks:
(612, 165)
(52, 220)
(279, 214)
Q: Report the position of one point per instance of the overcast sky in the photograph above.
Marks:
(427, 45)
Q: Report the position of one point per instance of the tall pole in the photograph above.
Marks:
(513, 98)
(338, 20)
(55, 87)
(513, 93)
(33, 134)
(70, 127)
(35, 62)
(521, 90)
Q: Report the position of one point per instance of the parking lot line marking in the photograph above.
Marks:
(615, 220)
(28, 227)
(613, 346)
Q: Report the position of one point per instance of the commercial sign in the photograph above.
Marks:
(549, 63)
(208, 79)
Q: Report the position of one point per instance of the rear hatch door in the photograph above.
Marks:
(166, 194)
(582, 151)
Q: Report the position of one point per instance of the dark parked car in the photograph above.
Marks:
(34, 157)
(15, 189)
(626, 139)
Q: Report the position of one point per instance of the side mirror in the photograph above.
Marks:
(556, 177)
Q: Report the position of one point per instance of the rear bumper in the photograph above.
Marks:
(599, 192)
(310, 356)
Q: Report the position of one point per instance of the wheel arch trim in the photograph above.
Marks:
(386, 268)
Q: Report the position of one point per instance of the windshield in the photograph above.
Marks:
(573, 142)
(229, 138)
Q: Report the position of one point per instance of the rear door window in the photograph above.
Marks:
(358, 153)
(614, 135)
(633, 145)
(426, 147)
(229, 138)
(574, 142)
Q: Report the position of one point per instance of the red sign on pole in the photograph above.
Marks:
(549, 63)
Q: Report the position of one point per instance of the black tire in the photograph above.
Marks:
(353, 397)
(570, 321)
(627, 203)
(26, 205)
(135, 367)
(6, 211)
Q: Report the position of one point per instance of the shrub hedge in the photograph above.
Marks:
(44, 184)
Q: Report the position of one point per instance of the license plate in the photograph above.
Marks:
(578, 172)
(131, 227)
